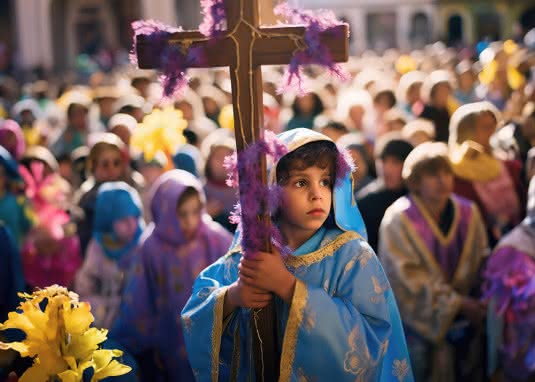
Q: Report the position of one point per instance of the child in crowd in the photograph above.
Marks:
(181, 241)
(13, 209)
(51, 252)
(107, 162)
(432, 245)
(333, 302)
(117, 230)
(480, 175)
(220, 197)
(509, 276)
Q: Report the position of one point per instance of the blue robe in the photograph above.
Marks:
(342, 325)
(343, 322)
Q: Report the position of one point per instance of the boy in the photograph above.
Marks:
(432, 244)
(337, 317)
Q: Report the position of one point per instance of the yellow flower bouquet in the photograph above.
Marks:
(59, 339)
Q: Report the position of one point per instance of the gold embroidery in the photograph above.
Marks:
(379, 291)
(320, 254)
(217, 331)
(295, 319)
(235, 355)
(400, 369)
(358, 360)
(365, 257)
(350, 264)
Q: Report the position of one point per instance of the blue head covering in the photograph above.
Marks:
(9, 163)
(347, 216)
(116, 201)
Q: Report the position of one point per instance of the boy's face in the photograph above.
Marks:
(485, 126)
(307, 198)
(217, 161)
(189, 216)
(109, 166)
(126, 228)
(435, 188)
(389, 169)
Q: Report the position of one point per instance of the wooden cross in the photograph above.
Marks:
(245, 47)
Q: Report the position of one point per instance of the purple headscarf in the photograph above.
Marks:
(10, 128)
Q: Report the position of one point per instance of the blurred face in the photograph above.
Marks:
(332, 133)
(484, 128)
(418, 138)
(78, 117)
(210, 106)
(307, 198)
(441, 95)
(109, 166)
(9, 142)
(123, 133)
(395, 125)
(413, 93)
(435, 189)
(189, 216)
(216, 162)
(389, 169)
(187, 110)
(466, 81)
(305, 104)
(26, 118)
(361, 167)
(528, 129)
(151, 173)
(382, 104)
(126, 228)
(106, 106)
(65, 169)
(356, 114)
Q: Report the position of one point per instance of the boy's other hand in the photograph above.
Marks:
(267, 271)
(242, 295)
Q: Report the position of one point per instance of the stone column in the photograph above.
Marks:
(161, 10)
(403, 17)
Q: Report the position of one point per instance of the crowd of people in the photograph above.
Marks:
(122, 197)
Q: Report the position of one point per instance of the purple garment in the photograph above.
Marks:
(162, 276)
(448, 249)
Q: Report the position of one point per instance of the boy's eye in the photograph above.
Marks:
(326, 182)
(301, 183)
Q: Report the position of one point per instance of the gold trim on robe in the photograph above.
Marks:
(217, 332)
(320, 254)
(295, 319)
(444, 240)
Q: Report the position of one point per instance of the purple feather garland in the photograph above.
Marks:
(315, 53)
(214, 21)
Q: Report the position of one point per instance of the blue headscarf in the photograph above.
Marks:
(116, 201)
(347, 216)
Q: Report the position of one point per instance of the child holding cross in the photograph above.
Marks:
(336, 315)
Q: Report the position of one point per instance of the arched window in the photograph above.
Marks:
(455, 30)
(420, 32)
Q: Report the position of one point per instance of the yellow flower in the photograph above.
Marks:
(60, 338)
(161, 130)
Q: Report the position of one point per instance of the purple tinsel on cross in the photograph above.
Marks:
(259, 197)
(315, 53)
(214, 21)
(174, 60)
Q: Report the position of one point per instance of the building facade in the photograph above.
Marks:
(50, 34)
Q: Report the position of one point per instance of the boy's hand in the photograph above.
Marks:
(267, 271)
(241, 295)
(474, 310)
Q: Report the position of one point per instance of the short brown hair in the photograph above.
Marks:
(322, 154)
(427, 158)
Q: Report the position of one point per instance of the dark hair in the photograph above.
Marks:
(335, 125)
(189, 192)
(322, 154)
(318, 105)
